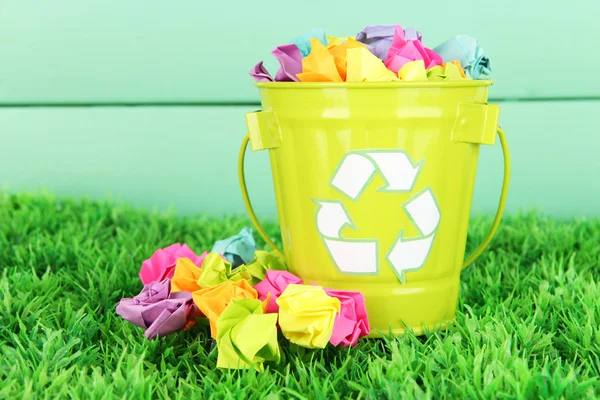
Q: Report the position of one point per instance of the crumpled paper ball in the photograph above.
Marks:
(413, 71)
(246, 336)
(307, 315)
(337, 40)
(212, 301)
(185, 277)
(319, 65)
(466, 50)
(352, 322)
(263, 262)
(340, 55)
(260, 74)
(450, 71)
(404, 50)
(216, 270)
(363, 66)
(379, 38)
(453, 71)
(436, 74)
(162, 263)
(237, 249)
(157, 310)
(290, 61)
(275, 283)
(304, 43)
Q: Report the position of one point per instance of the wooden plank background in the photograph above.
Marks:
(185, 157)
(151, 51)
(70, 69)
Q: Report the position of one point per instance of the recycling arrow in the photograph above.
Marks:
(423, 210)
(352, 176)
(357, 169)
(349, 255)
(397, 170)
(409, 254)
(331, 218)
(354, 256)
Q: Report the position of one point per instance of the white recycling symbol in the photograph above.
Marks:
(352, 176)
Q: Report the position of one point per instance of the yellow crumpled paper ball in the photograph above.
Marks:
(364, 66)
(319, 65)
(338, 40)
(340, 55)
(450, 71)
(413, 71)
(307, 314)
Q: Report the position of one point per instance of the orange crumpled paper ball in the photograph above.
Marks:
(212, 301)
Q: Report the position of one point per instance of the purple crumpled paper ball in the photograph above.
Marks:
(157, 310)
(379, 38)
(260, 74)
(290, 61)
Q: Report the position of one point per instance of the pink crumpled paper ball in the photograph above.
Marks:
(275, 283)
(159, 311)
(403, 51)
(162, 263)
(352, 321)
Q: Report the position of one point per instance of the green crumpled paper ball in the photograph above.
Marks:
(264, 261)
(247, 337)
(216, 270)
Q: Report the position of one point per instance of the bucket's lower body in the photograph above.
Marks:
(401, 247)
(423, 306)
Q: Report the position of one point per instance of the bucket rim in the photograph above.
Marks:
(373, 85)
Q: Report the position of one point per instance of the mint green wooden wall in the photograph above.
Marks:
(70, 72)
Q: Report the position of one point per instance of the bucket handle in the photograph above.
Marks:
(468, 261)
(247, 203)
(501, 203)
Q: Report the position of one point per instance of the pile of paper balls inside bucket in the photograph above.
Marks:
(378, 53)
(247, 296)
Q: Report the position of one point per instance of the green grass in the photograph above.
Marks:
(527, 325)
